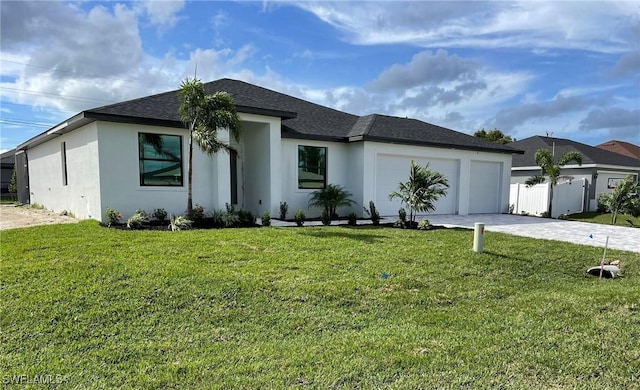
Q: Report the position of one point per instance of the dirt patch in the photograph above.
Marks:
(12, 217)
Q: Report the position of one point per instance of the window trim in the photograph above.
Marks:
(63, 154)
(325, 167)
(141, 159)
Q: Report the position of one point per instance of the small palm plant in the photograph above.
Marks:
(330, 198)
(421, 191)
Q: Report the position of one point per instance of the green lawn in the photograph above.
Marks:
(307, 307)
(604, 218)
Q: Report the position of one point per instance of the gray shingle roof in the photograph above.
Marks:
(590, 154)
(302, 119)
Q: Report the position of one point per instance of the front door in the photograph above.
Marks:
(22, 177)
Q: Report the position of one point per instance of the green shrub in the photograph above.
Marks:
(160, 215)
(246, 218)
(353, 219)
(373, 213)
(197, 214)
(266, 219)
(230, 218)
(330, 198)
(424, 224)
(218, 217)
(299, 217)
(137, 219)
(325, 218)
(284, 207)
(13, 184)
(402, 214)
(113, 217)
(180, 223)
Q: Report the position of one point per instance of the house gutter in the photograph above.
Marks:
(435, 144)
(62, 128)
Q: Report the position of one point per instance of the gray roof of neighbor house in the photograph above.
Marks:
(300, 119)
(590, 154)
(8, 158)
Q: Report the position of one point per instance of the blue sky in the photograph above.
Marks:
(571, 69)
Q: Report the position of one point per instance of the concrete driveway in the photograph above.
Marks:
(620, 237)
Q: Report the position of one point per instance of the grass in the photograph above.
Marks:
(7, 198)
(603, 218)
(307, 307)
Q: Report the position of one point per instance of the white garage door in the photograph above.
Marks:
(392, 169)
(484, 194)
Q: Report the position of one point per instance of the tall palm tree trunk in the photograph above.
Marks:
(550, 200)
(190, 175)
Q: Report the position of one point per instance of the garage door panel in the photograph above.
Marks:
(391, 169)
(485, 187)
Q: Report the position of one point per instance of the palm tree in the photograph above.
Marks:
(422, 190)
(330, 198)
(544, 159)
(625, 198)
(203, 115)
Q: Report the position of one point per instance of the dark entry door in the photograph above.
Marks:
(22, 177)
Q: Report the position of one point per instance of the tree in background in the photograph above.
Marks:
(420, 192)
(13, 185)
(203, 115)
(544, 159)
(494, 135)
(624, 199)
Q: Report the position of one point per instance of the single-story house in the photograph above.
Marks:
(600, 169)
(7, 164)
(621, 147)
(289, 148)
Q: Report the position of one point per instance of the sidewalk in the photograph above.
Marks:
(583, 233)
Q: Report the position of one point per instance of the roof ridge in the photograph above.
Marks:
(281, 93)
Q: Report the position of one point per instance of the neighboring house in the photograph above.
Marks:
(289, 148)
(621, 147)
(7, 163)
(601, 168)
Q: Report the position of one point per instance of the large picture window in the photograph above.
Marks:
(160, 159)
(312, 167)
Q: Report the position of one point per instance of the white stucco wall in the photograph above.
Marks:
(81, 195)
(461, 188)
(338, 172)
(120, 173)
(261, 172)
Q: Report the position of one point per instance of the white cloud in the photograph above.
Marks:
(596, 26)
(163, 13)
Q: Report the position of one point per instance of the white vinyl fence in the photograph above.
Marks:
(567, 198)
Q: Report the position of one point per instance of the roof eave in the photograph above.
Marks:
(62, 128)
(316, 137)
(266, 112)
(436, 145)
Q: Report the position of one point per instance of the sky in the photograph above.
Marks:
(563, 68)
